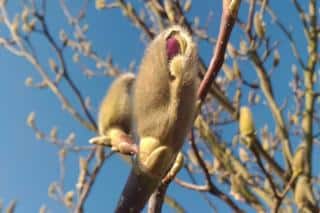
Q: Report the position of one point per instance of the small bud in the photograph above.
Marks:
(11, 207)
(28, 82)
(86, 47)
(236, 69)
(259, 25)
(232, 51)
(14, 26)
(83, 164)
(169, 10)
(85, 28)
(63, 36)
(53, 65)
(29, 27)
(246, 124)
(299, 163)
(100, 4)
(39, 135)
(52, 190)
(228, 72)
(244, 157)
(276, 58)
(54, 133)
(243, 47)
(187, 5)
(303, 194)
(31, 119)
(68, 199)
(234, 7)
(25, 14)
(76, 57)
(43, 209)
(177, 165)
(71, 138)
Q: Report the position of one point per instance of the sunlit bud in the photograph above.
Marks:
(76, 57)
(169, 10)
(85, 28)
(11, 207)
(39, 135)
(232, 51)
(217, 165)
(236, 69)
(28, 82)
(234, 6)
(294, 119)
(243, 47)
(187, 5)
(228, 72)
(43, 209)
(193, 158)
(53, 133)
(276, 58)
(100, 4)
(52, 190)
(68, 199)
(15, 25)
(299, 163)
(259, 25)
(86, 46)
(315, 77)
(246, 124)
(303, 194)
(71, 138)
(63, 36)
(177, 165)
(25, 14)
(244, 157)
(53, 65)
(83, 164)
(29, 27)
(236, 187)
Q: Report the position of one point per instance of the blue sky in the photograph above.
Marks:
(28, 166)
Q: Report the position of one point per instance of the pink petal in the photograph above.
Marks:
(173, 47)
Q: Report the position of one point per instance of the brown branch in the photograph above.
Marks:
(132, 14)
(195, 187)
(157, 198)
(226, 25)
(212, 188)
(88, 185)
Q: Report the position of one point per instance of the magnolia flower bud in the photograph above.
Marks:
(165, 99)
(115, 115)
(299, 163)
(246, 124)
(303, 194)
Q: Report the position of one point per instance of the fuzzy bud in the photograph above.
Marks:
(246, 124)
(259, 25)
(115, 117)
(165, 98)
(299, 163)
(68, 199)
(303, 194)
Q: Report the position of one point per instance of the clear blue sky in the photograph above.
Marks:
(28, 166)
